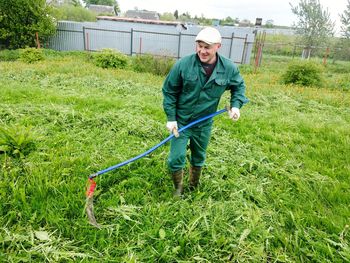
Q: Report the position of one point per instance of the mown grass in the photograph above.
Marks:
(275, 187)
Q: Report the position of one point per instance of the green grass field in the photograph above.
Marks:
(275, 188)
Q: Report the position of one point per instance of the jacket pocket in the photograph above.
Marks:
(218, 88)
(189, 82)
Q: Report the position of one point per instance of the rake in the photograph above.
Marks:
(92, 184)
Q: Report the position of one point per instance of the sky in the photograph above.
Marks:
(277, 10)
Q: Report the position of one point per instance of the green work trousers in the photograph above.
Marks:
(198, 138)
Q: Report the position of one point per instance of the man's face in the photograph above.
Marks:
(206, 52)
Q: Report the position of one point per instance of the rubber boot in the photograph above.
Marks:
(178, 182)
(195, 174)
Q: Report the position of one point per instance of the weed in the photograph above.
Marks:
(16, 142)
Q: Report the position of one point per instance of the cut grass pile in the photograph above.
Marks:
(275, 187)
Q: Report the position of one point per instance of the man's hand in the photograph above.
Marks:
(234, 114)
(171, 125)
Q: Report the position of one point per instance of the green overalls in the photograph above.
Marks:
(188, 96)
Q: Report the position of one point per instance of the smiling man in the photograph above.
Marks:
(192, 90)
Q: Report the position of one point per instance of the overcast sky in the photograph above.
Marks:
(277, 10)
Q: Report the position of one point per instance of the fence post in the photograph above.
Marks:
(84, 40)
(232, 36)
(37, 40)
(179, 46)
(326, 56)
(131, 40)
(87, 42)
(244, 48)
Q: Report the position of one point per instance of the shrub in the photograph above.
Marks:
(303, 73)
(31, 55)
(109, 58)
(158, 65)
(9, 55)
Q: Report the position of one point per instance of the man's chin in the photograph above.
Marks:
(204, 60)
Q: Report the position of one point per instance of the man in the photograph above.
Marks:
(192, 90)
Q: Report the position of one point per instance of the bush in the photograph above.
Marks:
(31, 55)
(303, 73)
(157, 65)
(109, 58)
(9, 55)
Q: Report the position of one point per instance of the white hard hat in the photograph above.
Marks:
(209, 35)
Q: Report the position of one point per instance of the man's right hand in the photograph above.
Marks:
(171, 125)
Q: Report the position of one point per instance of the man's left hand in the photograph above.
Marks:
(234, 114)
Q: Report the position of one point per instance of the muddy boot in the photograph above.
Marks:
(178, 182)
(195, 174)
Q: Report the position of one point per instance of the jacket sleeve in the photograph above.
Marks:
(172, 87)
(237, 88)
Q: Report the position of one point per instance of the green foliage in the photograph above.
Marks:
(158, 65)
(9, 55)
(20, 21)
(109, 58)
(345, 21)
(73, 13)
(246, 69)
(16, 141)
(101, 2)
(275, 187)
(31, 55)
(167, 16)
(314, 24)
(341, 49)
(303, 73)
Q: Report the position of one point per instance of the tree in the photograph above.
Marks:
(167, 16)
(73, 13)
(345, 20)
(228, 21)
(176, 14)
(269, 23)
(314, 25)
(101, 2)
(21, 19)
(342, 47)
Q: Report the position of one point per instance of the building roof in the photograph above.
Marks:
(143, 14)
(138, 20)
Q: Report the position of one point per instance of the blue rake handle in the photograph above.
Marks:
(156, 146)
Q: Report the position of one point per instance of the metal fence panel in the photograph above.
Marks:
(138, 38)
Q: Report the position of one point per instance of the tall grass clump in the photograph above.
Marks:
(16, 142)
(31, 55)
(109, 58)
(9, 55)
(305, 73)
(158, 65)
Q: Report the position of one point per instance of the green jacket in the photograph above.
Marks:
(187, 94)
